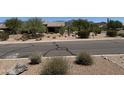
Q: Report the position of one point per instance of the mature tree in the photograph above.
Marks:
(94, 28)
(68, 26)
(33, 26)
(13, 24)
(81, 24)
(114, 25)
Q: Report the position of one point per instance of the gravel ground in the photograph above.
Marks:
(100, 67)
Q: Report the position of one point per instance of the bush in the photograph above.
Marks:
(111, 33)
(4, 36)
(54, 37)
(84, 59)
(121, 34)
(38, 39)
(83, 34)
(48, 36)
(55, 66)
(35, 59)
(25, 37)
(62, 31)
(98, 32)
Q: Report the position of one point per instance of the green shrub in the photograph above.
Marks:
(55, 66)
(4, 36)
(111, 33)
(121, 34)
(84, 59)
(83, 34)
(62, 31)
(35, 58)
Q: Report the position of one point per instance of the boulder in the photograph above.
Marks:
(17, 69)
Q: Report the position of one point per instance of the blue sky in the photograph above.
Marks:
(94, 19)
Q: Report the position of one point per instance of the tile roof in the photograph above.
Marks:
(55, 24)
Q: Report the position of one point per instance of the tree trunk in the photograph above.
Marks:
(68, 31)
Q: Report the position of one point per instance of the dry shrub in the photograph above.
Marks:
(84, 59)
(55, 66)
(35, 58)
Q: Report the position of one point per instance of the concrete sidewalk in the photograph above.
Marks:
(19, 42)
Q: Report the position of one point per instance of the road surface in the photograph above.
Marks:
(67, 48)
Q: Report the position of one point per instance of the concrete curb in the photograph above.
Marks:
(68, 56)
(24, 42)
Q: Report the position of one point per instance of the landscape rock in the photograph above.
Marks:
(17, 69)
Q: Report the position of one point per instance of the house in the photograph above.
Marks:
(54, 26)
(51, 26)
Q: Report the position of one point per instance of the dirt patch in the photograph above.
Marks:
(100, 67)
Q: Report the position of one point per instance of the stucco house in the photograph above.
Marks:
(54, 26)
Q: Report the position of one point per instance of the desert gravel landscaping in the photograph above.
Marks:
(101, 66)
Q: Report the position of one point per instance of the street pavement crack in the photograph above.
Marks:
(3, 55)
(58, 47)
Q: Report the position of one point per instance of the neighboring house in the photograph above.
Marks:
(51, 26)
(54, 26)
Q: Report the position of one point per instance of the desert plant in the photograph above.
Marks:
(111, 33)
(54, 37)
(83, 34)
(35, 58)
(62, 31)
(80, 24)
(13, 24)
(34, 26)
(55, 66)
(4, 36)
(48, 36)
(59, 35)
(25, 37)
(84, 59)
(38, 39)
(114, 24)
(98, 32)
(121, 34)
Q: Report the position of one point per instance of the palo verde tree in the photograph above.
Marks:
(94, 28)
(82, 27)
(34, 26)
(13, 24)
(81, 24)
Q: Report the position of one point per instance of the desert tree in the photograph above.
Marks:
(81, 24)
(114, 25)
(34, 26)
(13, 24)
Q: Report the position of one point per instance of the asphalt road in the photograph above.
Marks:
(63, 48)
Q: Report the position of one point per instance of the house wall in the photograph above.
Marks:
(53, 29)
